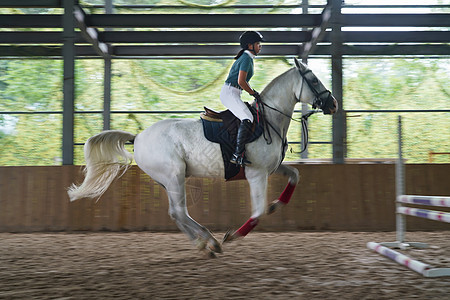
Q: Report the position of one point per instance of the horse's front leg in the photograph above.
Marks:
(286, 195)
(257, 180)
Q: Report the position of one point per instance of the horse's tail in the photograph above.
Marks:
(106, 158)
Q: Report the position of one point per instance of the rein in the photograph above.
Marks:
(303, 120)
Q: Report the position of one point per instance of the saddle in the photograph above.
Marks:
(211, 115)
(222, 127)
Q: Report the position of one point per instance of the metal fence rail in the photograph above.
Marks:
(187, 112)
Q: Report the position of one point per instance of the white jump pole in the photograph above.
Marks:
(415, 265)
(425, 213)
(425, 200)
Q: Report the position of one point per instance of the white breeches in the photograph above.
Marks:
(231, 99)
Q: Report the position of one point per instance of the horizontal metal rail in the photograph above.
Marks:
(200, 111)
(236, 6)
(184, 112)
(311, 142)
(397, 111)
(58, 3)
(256, 6)
(396, 6)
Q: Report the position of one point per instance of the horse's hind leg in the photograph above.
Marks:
(201, 236)
(198, 242)
(286, 195)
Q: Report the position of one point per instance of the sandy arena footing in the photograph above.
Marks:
(147, 265)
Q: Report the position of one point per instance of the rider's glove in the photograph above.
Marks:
(257, 96)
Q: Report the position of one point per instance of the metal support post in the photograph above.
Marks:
(336, 66)
(107, 79)
(400, 185)
(305, 108)
(69, 82)
(400, 218)
(107, 95)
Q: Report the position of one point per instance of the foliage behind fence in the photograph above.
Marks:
(28, 137)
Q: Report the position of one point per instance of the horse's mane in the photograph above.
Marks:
(276, 80)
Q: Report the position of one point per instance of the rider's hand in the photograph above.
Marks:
(256, 95)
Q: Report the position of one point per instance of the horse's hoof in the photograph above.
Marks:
(228, 237)
(210, 254)
(214, 246)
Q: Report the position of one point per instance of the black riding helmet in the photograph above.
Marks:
(250, 37)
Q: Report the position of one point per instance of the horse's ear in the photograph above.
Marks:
(301, 66)
(297, 63)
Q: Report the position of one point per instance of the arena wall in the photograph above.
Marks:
(349, 197)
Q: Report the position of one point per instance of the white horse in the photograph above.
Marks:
(173, 149)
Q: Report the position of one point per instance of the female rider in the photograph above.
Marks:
(240, 74)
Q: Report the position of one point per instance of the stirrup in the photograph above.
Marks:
(240, 160)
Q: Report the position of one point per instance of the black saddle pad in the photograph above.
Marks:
(225, 134)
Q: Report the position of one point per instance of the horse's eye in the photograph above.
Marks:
(315, 81)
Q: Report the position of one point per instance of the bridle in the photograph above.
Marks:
(317, 103)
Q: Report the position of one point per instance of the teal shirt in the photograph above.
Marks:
(243, 63)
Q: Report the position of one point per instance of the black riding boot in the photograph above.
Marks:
(243, 135)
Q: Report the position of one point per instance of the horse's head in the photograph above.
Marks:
(314, 92)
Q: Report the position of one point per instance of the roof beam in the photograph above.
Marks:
(381, 50)
(226, 20)
(146, 37)
(317, 33)
(31, 3)
(29, 51)
(224, 50)
(285, 37)
(142, 51)
(164, 21)
(396, 20)
(30, 21)
(278, 50)
(199, 36)
(194, 50)
(203, 20)
(36, 37)
(89, 33)
(393, 37)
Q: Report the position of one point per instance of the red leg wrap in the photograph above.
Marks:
(287, 193)
(247, 227)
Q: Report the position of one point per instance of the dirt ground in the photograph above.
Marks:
(147, 265)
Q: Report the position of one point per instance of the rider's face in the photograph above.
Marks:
(256, 47)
